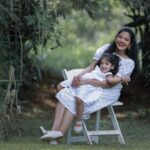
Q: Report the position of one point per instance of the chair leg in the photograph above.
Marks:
(69, 134)
(97, 124)
(116, 124)
(85, 132)
(90, 136)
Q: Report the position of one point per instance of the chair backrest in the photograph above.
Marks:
(69, 74)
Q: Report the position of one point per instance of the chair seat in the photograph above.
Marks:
(118, 103)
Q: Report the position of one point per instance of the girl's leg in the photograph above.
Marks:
(79, 108)
(59, 113)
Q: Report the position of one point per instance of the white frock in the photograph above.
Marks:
(87, 93)
(106, 96)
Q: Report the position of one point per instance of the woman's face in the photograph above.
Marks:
(123, 41)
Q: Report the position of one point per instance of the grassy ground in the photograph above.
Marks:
(136, 132)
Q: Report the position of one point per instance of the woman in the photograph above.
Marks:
(125, 47)
(106, 67)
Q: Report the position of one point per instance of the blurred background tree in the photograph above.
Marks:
(139, 13)
(27, 25)
(81, 36)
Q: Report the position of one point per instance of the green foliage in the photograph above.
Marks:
(9, 106)
(27, 24)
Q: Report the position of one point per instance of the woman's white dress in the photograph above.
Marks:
(105, 96)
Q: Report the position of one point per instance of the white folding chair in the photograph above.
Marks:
(90, 136)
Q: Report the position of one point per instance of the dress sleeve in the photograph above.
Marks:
(100, 51)
(126, 68)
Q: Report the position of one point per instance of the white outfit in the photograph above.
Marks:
(87, 93)
(106, 96)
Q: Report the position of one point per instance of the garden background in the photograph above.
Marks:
(39, 38)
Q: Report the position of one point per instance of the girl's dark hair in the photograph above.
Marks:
(113, 59)
(132, 52)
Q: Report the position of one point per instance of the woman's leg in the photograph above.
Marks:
(66, 121)
(63, 126)
(59, 113)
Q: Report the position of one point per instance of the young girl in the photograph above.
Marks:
(105, 69)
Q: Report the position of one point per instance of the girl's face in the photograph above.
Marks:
(123, 41)
(105, 65)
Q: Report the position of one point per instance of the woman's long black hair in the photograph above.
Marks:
(132, 52)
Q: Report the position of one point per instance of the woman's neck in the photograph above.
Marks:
(121, 53)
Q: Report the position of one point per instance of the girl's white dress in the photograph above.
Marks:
(105, 96)
(87, 93)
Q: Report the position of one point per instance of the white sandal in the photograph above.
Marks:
(78, 127)
(51, 135)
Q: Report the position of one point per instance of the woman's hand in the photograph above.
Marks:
(76, 81)
(126, 79)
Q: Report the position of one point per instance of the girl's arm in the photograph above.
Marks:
(112, 80)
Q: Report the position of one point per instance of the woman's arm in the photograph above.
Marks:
(76, 80)
(89, 68)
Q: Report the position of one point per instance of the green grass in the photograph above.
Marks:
(135, 131)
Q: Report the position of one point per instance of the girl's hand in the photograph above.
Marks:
(76, 81)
